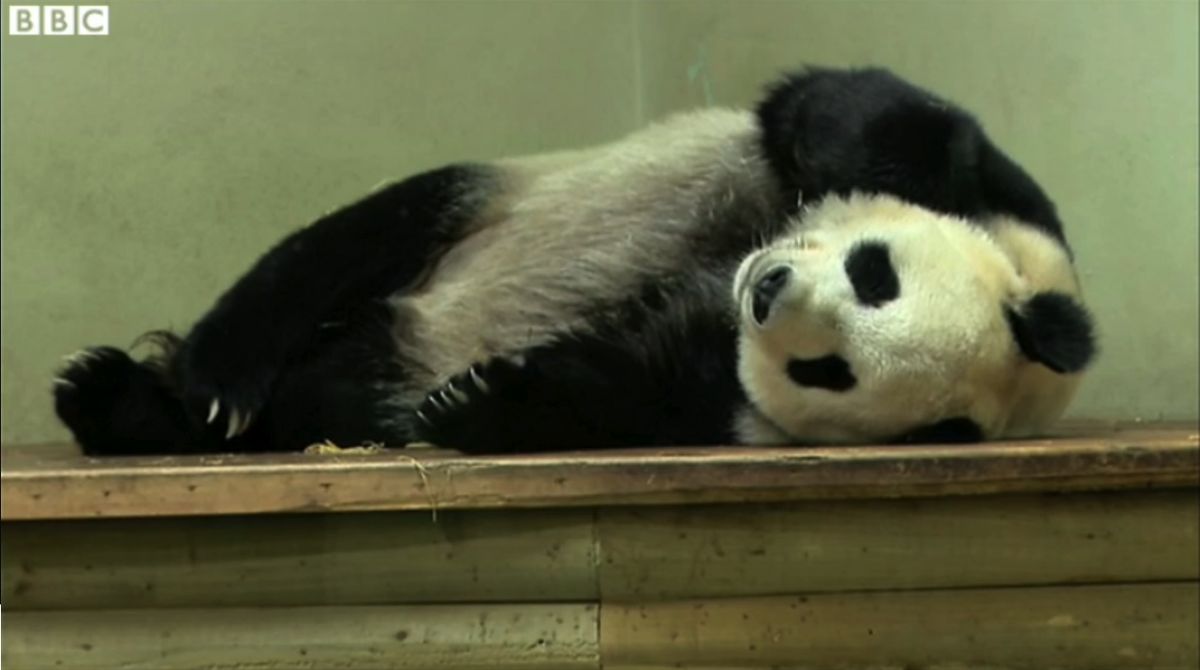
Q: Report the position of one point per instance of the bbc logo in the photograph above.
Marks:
(58, 20)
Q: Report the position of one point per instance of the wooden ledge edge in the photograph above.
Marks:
(419, 479)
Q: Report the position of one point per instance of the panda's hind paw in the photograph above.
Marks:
(114, 405)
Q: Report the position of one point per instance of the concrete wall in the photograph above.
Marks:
(144, 170)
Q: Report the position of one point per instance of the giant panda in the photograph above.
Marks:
(851, 261)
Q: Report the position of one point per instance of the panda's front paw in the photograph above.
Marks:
(468, 411)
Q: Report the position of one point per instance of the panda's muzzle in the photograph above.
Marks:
(766, 289)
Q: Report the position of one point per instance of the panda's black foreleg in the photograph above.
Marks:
(837, 131)
(656, 374)
(228, 364)
(548, 399)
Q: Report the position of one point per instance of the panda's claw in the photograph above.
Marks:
(80, 358)
(244, 424)
(432, 400)
(459, 396)
(234, 422)
(477, 379)
(213, 410)
(472, 406)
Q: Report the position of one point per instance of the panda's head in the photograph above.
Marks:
(875, 320)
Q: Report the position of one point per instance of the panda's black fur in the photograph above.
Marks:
(303, 348)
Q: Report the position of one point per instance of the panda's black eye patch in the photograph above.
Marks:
(869, 267)
(830, 372)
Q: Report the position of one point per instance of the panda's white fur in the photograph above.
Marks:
(585, 223)
(941, 349)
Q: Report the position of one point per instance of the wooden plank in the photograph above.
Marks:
(1136, 457)
(461, 637)
(642, 553)
(650, 553)
(309, 559)
(1122, 626)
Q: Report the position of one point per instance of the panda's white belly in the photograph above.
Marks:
(575, 231)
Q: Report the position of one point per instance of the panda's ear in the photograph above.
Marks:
(1053, 329)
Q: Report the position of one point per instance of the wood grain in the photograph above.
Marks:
(300, 559)
(651, 553)
(631, 553)
(48, 483)
(458, 637)
(1086, 627)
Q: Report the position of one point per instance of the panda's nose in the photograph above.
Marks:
(767, 288)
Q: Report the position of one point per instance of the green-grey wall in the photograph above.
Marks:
(144, 170)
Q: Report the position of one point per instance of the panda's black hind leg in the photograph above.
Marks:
(343, 389)
(229, 366)
(117, 406)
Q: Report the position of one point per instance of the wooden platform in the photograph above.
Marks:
(1081, 551)
(56, 482)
